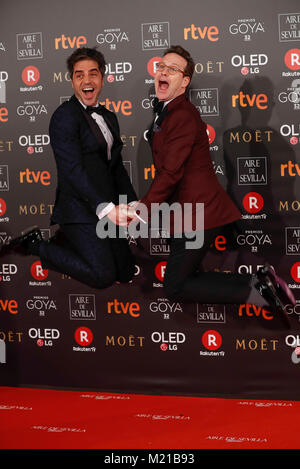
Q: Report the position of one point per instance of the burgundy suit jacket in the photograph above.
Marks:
(184, 170)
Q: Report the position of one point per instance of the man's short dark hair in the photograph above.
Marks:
(86, 53)
(190, 66)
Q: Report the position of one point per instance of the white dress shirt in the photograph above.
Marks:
(109, 140)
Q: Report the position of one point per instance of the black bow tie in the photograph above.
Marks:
(91, 109)
(158, 106)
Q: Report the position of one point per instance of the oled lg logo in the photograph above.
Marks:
(34, 143)
(7, 271)
(44, 337)
(117, 72)
(291, 131)
(249, 64)
(168, 340)
(294, 342)
(3, 110)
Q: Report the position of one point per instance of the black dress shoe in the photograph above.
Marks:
(274, 289)
(26, 244)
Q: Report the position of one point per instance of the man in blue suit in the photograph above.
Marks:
(86, 142)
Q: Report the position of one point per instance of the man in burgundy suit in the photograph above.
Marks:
(185, 175)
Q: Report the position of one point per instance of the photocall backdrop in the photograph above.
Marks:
(57, 332)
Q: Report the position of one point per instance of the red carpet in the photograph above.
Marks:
(50, 419)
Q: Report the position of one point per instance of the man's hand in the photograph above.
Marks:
(119, 215)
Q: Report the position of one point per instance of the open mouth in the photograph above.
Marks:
(163, 85)
(88, 92)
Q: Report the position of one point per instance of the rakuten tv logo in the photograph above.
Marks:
(2, 207)
(212, 340)
(211, 133)
(253, 202)
(295, 272)
(152, 65)
(292, 59)
(160, 270)
(30, 75)
(37, 271)
(83, 336)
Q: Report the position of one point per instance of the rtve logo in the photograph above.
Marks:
(9, 305)
(197, 32)
(289, 169)
(245, 100)
(124, 107)
(255, 311)
(3, 114)
(67, 42)
(42, 177)
(118, 307)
